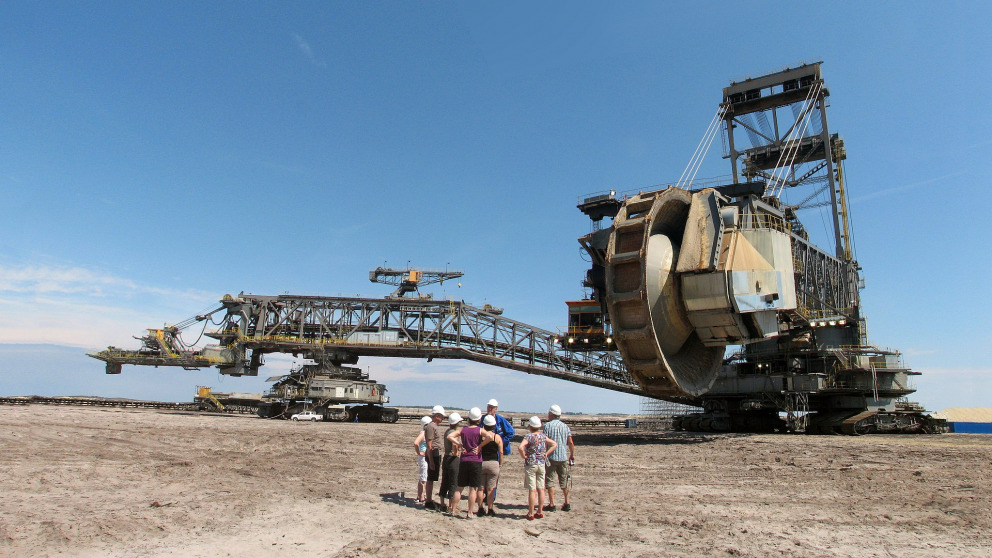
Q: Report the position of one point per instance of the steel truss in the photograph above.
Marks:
(825, 285)
(341, 329)
(795, 406)
(788, 152)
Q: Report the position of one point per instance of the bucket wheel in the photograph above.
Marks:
(643, 293)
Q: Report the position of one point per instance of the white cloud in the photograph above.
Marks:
(905, 187)
(67, 280)
(36, 280)
(83, 307)
(304, 47)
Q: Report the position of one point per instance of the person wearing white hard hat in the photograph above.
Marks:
(435, 441)
(504, 429)
(450, 462)
(561, 460)
(420, 444)
(470, 464)
(535, 448)
(491, 454)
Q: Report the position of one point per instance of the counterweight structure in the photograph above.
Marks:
(682, 273)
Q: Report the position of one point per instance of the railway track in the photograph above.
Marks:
(93, 402)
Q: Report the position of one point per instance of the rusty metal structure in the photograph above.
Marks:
(334, 332)
(685, 272)
(709, 295)
(409, 280)
(207, 399)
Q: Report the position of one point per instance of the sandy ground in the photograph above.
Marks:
(108, 482)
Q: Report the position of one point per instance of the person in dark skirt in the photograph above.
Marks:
(492, 451)
(470, 466)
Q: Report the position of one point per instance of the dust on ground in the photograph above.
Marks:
(136, 482)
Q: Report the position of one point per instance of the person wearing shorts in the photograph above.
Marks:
(420, 444)
(534, 449)
(435, 441)
(470, 468)
(504, 429)
(491, 453)
(559, 461)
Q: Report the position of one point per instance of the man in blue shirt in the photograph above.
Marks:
(503, 427)
(560, 461)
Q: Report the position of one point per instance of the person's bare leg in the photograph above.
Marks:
(489, 499)
(473, 495)
(453, 507)
(551, 496)
(429, 497)
(540, 499)
(531, 500)
(565, 492)
(420, 490)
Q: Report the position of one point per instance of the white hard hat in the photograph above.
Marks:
(534, 422)
(493, 403)
(474, 413)
(555, 410)
(424, 421)
(437, 410)
(454, 418)
(489, 420)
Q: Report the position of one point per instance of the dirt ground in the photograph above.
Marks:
(83, 481)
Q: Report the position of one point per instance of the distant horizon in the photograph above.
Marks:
(141, 383)
(536, 413)
(59, 370)
(159, 155)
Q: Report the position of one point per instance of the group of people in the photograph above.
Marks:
(470, 456)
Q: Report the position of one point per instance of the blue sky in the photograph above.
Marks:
(155, 156)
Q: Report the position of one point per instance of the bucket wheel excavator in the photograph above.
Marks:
(684, 272)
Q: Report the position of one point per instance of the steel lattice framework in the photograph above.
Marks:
(341, 329)
(825, 286)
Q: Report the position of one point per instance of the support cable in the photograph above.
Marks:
(787, 156)
(704, 144)
(188, 346)
(790, 154)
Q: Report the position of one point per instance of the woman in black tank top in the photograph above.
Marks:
(492, 453)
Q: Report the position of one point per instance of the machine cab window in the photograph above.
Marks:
(586, 331)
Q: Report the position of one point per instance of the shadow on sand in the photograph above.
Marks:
(504, 510)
